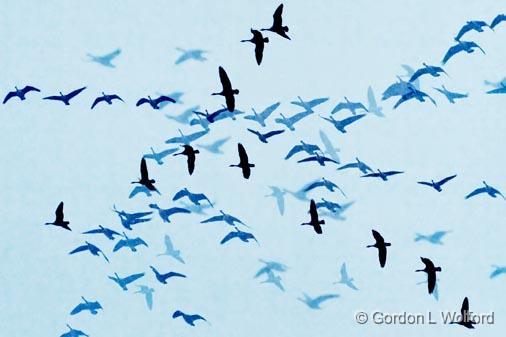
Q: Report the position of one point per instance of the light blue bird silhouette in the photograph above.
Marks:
(409, 72)
(338, 213)
(123, 282)
(495, 84)
(373, 104)
(129, 219)
(227, 218)
(270, 266)
(398, 88)
(358, 165)
(329, 205)
(109, 233)
(260, 118)
(105, 60)
(130, 243)
(203, 122)
(491, 191)
(314, 303)
(451, 96)
(345, 279)
(184, 117)
(330, 150)
(196, 209)
(148, 294)
(159, 156)
(165, 213)
(162, 278)
(279, 195)
(170, 250)
(186, 139)
(498, 270)
(290, 122)
(434, 238)
(434, 71)
(274, 279)
(138, 189)
(348, 105)
(92, 307)
(215, 147)
(340, 125)
(94, 250)
(500, 90)
(309, 105)
(241, 235)
(302, 147)
(414, 94)
(73, 333)
(191, 54)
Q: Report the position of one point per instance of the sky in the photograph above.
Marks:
(87, 158)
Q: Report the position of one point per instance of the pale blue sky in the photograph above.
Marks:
(87, 158)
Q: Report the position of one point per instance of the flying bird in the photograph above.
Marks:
(243, 236)
(171, 251)
(191, 54)
(340, 125)
(345, 278)
(215, 147)
(190, 153)
(211, 117)
(315, 222)
(145, 181)
(383, 175)
(348, 105)
(451, 96)
(320, 159)
(329, 185)
(92, 307)
(500, 90)
(155, 102)
(437, 185)
(309, 105)
(434, 238)
(303, 147)
(331, 206)
(467, 46)
(260, 118)
(290, 122)
(109, 233)
(382, 247)
(188, 318)
(264, 136)
(227, 218)
(65, 98)
(409, 72)
(373, 105)
(130, 243)
(279, 195)
(195, 198)
(105, 60)
(497, 20)
(148, 295)
(20, 93)
(358, 165)
(73, 333)
(274, 279)
(314, 303)
(270, 266)
(184, 117)
(469, 26)
(227, 90)
(434, 71)
(129, 219)
(498, 270)
(431, 270)
(491, 191)
(244, 163)
(259, 41)
(94, 250)
(186, 139)
(162, 278)
(413, 94)
(165, 213)
(159, 156)
(59, 218)
(465, 316)
(329, 148)
(105, 98)
(123, 282)
(277, 24)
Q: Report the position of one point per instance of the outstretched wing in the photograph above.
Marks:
(120, 244)
(75, 93)
(377, 236)
(269, 110)
(113, 54)
(138, 241)
(229, 237)
(225, 81)
(142, 101)
(9, 96)
(164, 99)
(278, 16)
(273, 133)
(213, 219)
(80, 307)
(29, 88)
(476, 192)
(314, 185)
(447, 179)
(132, 278)
(294, 150)
(349, 120)
(175, 210)
(324, 298)
(59, 212)
(181, 194)
(97, 100)
(79, 249)
(452, 51)
(347, 166)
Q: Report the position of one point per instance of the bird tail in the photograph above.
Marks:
(418, 237)
(251, 165)
(321, 222)
(437, 269)
(266, 39)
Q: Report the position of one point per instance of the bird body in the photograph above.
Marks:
(315, 222)
(358, 165)
(59, 218)
(188, 318)
(434, 238)
(314, 303)
(241, 235)
(190, 153)
(244, 163)
(469, 26)
(260, 118)
(451, 96)
(320, 159)
(347, 105)
(437, 185)
(94, 250)
(92, 307)
(264, 136)
(109, 233)
(309, 105)
(106, 60)
(145, 180)
(465, 319)
(171, 251)
(195, 198)
(191, 54)
(106, 98)
(413, 94)
(430, 270)
(148, 294)
(381, 245)
(227, 91)
(227, 218)
(259, 41)
(290, 122)
(467, 46)
(434, 71)
(303, 147)
(345, 279)
(130, 243)
(500, 90)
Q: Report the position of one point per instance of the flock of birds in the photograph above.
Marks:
(405, 90)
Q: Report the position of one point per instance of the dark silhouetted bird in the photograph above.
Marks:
(244, 163)
(264, 136)
(277, 24)
(314, 222)
(260, 118)
(123, 282)
(434, 71)
(437, 184)
(259, 41)
(467, 46)
(471, 25)
(109, 233)
(383, 175)
(145, 181)
(105, 98)
(94, 250)
(59, 218)
(341, 124)
(190, 153)
(65, 98)
(195, 198)
(431, 273)
(162, 278)
(87, 305)
(20, 93)
(497, 20)
(382, 247)
(491, 191)
(154, 102)
(227, 91)
(465, 316)
(189, 319)
(241, 235)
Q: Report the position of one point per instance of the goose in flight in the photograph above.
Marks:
(469, 26)
(184, 117)
(144, 180)
(274, 279)
(139, 189)
(175, 95)
(260, 118)
(340, 125)
(209, 118)
(264, 136)
(348, 105)
(345, 278)
(414, 94)
(73, 333)
(491, 191)
(109, 233)
(382, 247)
(451, 96)
(279, 195)
(65, 99)
(94, 250)
(130, 243)
(329, 205)
(434, 238)
(59, 218)
(19, 93)
(190, 153)
(148, 295)
(497, 20)
(227, 218)
(434, 71)
(315, 222)
(159, 156)
(195, 198)
(270, 266)
(171, 251)
(243, 236)
(162, 278)
(277, 23)
(191, 54)
(105, 60)
(399, 88)
(190, 319)
(373, 105)
(330, 150)
(309, 105)
(227, 91)
(430, 270)
(124, 282)
(329, 185)
(186, 139)
(320, 159)
(92, 307)
(409, 72)
(337, 214)
(155, 102)
(303, 147)
(290, 122)
(437, 185)
(259, 41)
(498, 270)
(358, 165)
(465, 316)
(314, 303)
(215, 147)
(467, 46)
(129, 219)
(383, 175)
(244, 163)
(165, 213)
(105, 98)
(500, 90)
